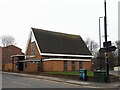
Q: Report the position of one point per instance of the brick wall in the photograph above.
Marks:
(30, 67)
(87, 65)
(8, 52)
(77, 65)
(53, 66)
(69, 66)
(8, 67)
(47, 65)
(59, 65)
(28, 51)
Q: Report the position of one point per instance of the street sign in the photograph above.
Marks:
(108, 44)
(111, 48)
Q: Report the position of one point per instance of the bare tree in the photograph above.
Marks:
(7, 40)
(117, 52)
(92, 45)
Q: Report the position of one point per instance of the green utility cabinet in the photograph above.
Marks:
(100, 76)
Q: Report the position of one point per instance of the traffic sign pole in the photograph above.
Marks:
(106, 46)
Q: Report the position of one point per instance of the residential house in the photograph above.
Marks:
(7, 52)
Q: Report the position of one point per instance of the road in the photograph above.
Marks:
(12, 81)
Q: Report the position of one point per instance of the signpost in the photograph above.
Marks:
(111, 48)
(107, 44)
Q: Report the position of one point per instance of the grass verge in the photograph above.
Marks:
(89, 73)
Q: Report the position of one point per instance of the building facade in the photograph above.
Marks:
(7, 52)
(53, 51)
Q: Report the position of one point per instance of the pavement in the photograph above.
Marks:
(70, 81)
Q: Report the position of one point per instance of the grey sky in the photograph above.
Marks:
(79, 17)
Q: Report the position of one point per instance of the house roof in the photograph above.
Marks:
(60, 43)
(12, 46)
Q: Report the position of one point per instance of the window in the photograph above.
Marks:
(32, 52)
(80, 65)
(65, 66)
(32, 48)
(73, 65)
(32, 45)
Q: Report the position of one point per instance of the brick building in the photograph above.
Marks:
(54, 51)
(7, 52)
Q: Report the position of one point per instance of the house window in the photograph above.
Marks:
(32, 52)
(32, 48)
(73, 65)
(80, 65)
(65, 66)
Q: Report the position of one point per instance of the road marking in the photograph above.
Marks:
(21, 83)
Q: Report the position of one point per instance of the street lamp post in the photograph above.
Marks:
(100, 42)
(100, 32)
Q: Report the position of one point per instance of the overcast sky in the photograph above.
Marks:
(80, 17)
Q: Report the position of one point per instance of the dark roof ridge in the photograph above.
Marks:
(56, 32)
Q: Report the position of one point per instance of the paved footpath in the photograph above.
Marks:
(83, 83)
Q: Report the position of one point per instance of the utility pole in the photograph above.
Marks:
(106, 46)
(100, 43)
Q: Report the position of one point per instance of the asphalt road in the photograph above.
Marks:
(12, 81)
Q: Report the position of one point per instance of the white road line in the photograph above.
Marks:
(21, 83)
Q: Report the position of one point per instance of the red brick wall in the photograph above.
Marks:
(59, 65)
(69, 66)
(28, 51)
(87, 65)
(31, 67)
(7, 52)
(77, 65)
(47, 65)
(56, 65)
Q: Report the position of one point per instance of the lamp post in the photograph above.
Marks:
(100, 32)
(100, 42)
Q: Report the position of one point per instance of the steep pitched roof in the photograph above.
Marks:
(59, 43)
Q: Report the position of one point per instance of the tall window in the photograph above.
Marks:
(32, 48)
(65, 65)
(80, 64)
(73, 65)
